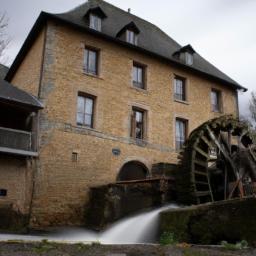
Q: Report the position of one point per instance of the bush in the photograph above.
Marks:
(238, 246)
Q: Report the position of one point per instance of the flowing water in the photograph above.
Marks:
(141, 228)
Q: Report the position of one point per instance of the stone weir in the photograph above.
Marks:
(110, 202)
(230, 220)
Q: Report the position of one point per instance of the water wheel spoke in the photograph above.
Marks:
(201, 163)
(238, 184)
(201, 152)
(230, 140)
(203, 193)
(206, 141)
(202, 183)
(200, 173)
(224, 152)
(226, 142)
(253, 153)
(225, 183)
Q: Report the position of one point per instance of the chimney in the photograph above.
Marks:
(129, 10)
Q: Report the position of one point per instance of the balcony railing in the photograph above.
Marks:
(16, 141)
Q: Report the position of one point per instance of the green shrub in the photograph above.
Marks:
(82, 247)
(167, 238)
(238, 246)
(44, 247)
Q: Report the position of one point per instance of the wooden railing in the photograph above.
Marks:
(15, 139)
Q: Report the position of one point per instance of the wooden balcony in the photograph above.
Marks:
(16, 142)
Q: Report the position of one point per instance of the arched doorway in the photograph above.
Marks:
(133, 170)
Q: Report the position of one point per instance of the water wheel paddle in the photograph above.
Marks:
(217, 162)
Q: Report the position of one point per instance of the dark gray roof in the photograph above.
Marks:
(3, 71)
(10, 93)
(151, 38)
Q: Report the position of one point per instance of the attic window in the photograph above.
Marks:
(189, 58)
(185, 54)
(131, 37)
(95, 22)
(94, 17)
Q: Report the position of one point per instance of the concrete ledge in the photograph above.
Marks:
(232, 221)
(18, 152)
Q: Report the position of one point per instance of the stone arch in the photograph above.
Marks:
(133, 170)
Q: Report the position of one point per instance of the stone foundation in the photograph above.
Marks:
(111, 202)
(12, 220)
(232, 221)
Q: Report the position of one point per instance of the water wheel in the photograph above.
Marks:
(218, 162)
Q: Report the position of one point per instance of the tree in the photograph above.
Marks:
(252, 106)
(4, 39)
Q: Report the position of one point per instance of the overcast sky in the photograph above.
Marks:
(222, 31)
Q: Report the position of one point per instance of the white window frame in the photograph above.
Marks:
(90, 114)
(179, 142)
(131, 37)
(88, 61)
(95, 22)
(137, 71)
(189, 58)
(216, 108)
(182, 81)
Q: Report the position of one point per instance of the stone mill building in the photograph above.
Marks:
(96, 95)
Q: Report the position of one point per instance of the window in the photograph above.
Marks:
(138, 76)
(180, 133)
(74, 157)
(131, 37)
(3, 192)
(95, 22)
(85, 110)
(138, 124)
(91, 61)
(188, 58)
(179, 89)
(215, 101)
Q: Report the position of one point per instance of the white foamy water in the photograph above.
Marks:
(141, 228)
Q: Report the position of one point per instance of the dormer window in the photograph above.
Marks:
(188, 58)
(131, 37)
(94, 18)
(129, 33)
(185, 54)
(95, 22)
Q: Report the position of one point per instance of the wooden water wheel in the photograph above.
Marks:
(218, 162)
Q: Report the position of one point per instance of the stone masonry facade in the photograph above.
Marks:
(52, 70)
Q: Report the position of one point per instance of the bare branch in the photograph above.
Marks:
(252, 106)
(4, 39)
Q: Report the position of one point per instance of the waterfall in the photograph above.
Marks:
(140, 228)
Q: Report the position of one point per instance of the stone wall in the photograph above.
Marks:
(61, 185)
(231, 221)
(113, 201)
(12, 219)
(28, 74)
(16, 179)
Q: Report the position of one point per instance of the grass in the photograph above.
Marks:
(168, 238)
(188, 252)
(44, 247)
(82, 247)
(238, 246)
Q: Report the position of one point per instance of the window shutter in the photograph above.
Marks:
(133, 125)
